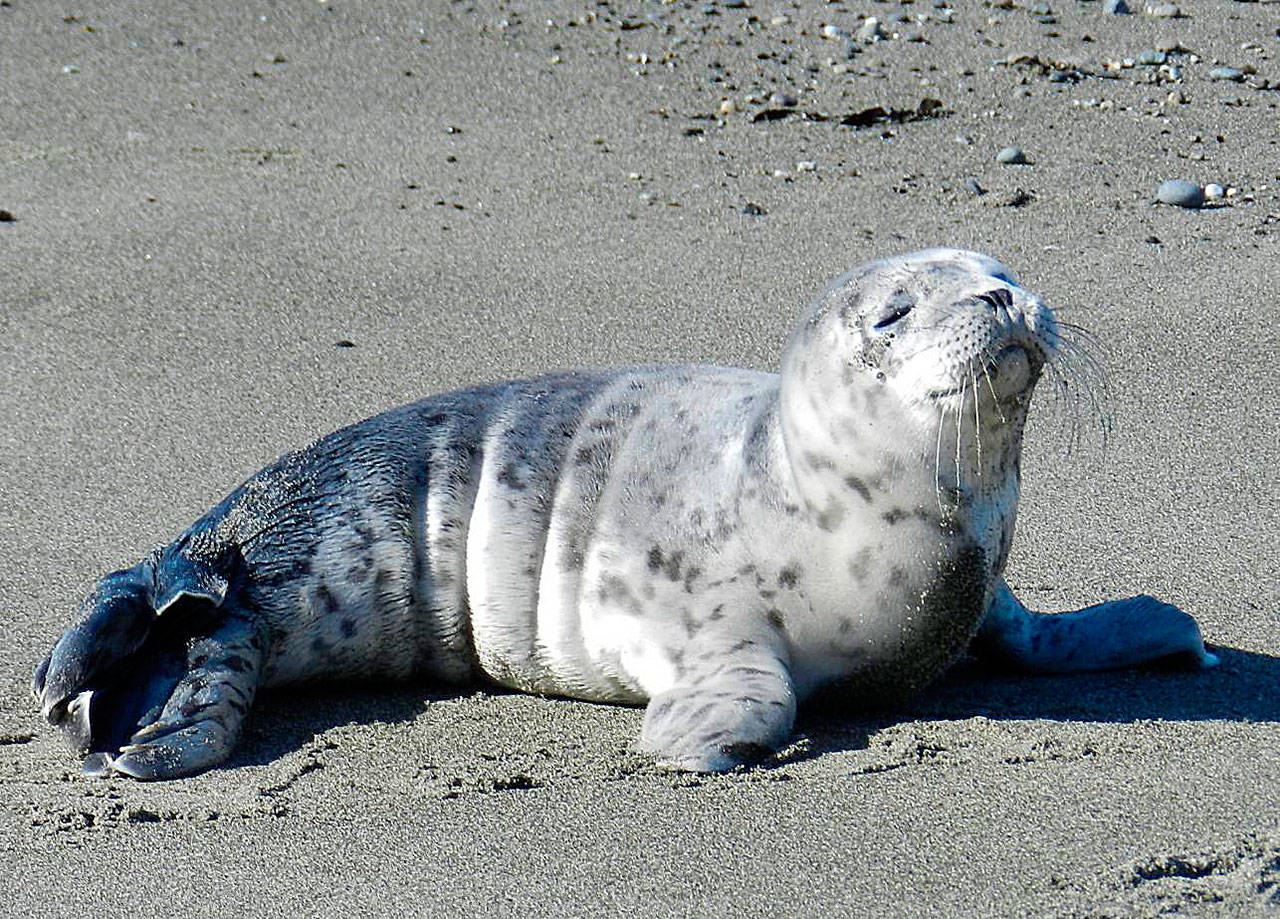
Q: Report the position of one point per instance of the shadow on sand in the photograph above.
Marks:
(1244, 687)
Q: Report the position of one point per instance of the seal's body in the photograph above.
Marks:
(718, 543)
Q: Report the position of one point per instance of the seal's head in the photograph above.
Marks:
(933, 354)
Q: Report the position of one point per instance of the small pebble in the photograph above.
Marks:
(1164, 11)
(1233, 74)
(782, 100)
(781, 19)
(727, 107)
(753, 210)
(833, 32)
(1011, 156)
(972, 187)
(806, 166)
(71, 68)
(1180, 193)
(1116, 8)
(7, 216)
(869, 31)
(1213, 192)
(1152, 58)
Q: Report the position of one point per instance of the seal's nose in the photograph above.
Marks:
(998, 299)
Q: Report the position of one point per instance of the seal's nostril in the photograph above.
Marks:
(997, 299)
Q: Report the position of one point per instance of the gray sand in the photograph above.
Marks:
(217, 193)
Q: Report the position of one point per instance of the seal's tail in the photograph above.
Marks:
(153, 695)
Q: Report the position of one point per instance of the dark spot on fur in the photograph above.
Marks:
(894, 516)
(319, 645)
(672, 565)
(237, 663)
(775, 619)
(844, 626)
(768, 594)
(508, 476)
(855, 483)
(830, 518)
(897, 576)
(191, 708)
(788, 576)
(717, 614)
(860, 564)
(573, 559)
(655, 559)
(325, 601)
(348, 627)
(818, 461)
(691, 575)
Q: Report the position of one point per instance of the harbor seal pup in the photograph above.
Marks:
(716, 543)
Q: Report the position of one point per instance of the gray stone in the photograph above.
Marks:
(1180, 193)
(1233, 74)
(1011, 156)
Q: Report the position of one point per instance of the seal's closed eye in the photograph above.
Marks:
(896, 309)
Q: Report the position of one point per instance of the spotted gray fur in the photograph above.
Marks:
(718, 543)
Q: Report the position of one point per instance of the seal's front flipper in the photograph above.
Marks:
(156, 679)
(738, 706)
(1121, 633)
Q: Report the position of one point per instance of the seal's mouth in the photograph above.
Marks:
(1008, 374)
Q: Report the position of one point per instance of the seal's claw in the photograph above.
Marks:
(38, 676)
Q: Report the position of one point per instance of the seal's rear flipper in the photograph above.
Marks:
(738, 709)
(1121, 633)
(152, 694)
(199, 723)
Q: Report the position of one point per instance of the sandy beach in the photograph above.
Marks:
(226, 229)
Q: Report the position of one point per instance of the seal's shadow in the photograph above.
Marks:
(286, 720)
(1244, 687)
